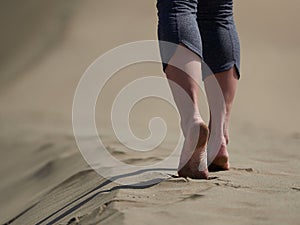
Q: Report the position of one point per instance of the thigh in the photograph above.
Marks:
(220, 42)
(177, 23)
(221, 10)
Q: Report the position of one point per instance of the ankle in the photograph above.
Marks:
(190, 124)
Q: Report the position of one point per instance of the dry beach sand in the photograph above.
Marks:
(46, 47)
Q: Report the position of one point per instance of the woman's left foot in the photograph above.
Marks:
(191, 162)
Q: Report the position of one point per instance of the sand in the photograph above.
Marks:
(46, 47)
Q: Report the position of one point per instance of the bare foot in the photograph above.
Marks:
(192, 168)
(221, 162)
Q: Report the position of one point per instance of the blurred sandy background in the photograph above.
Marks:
(45, 47)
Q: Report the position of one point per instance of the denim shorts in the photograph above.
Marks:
(206, 27)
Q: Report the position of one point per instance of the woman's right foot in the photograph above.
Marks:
(221, 161)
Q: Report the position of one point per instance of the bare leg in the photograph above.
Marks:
(193, 157)
(228, 81)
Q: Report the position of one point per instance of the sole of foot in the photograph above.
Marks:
(191, 168)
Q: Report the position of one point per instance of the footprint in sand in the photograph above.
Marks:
(249, 170)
